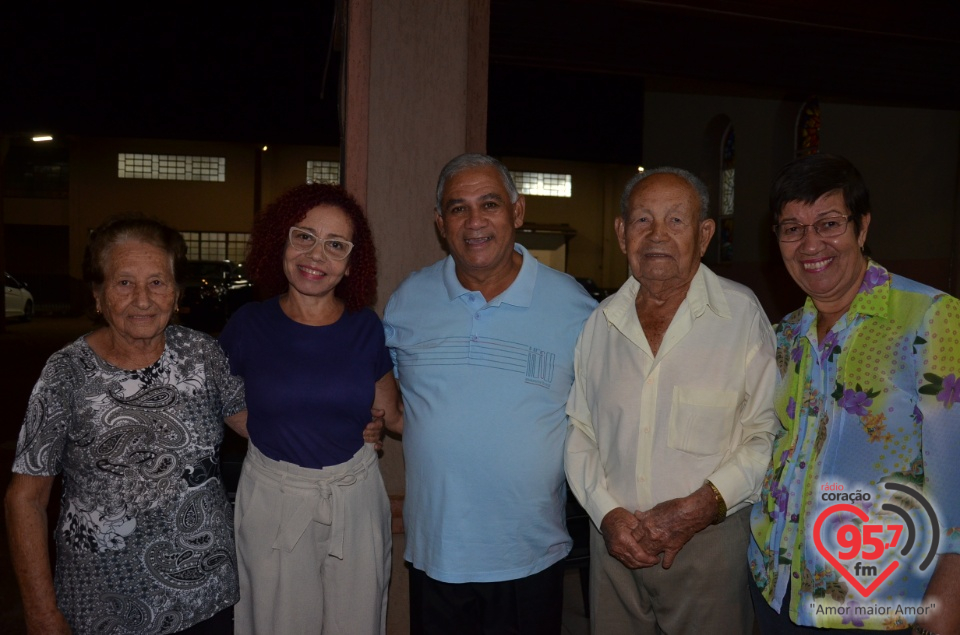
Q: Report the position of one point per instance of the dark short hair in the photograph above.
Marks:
(703, 195)
(806, 179)
(471, 161)
(133, 226)
(271, 231)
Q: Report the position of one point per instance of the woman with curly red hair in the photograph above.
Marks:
(312, 517)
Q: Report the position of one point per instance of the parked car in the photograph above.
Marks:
(213, 290)
(18, 301)
(591, 287)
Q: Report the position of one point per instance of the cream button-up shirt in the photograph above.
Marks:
(645, 429)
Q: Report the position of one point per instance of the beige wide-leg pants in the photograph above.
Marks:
(313, 547)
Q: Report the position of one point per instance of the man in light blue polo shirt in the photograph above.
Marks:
(483, 344)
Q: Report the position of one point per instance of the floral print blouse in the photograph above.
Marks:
(145, 535)
(877, 402)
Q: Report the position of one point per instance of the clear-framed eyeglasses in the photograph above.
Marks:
(304, 240)
(829, 227)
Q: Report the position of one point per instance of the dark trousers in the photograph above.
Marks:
(219, 624)
(528, 606)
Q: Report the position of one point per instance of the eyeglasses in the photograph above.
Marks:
(303, 240)
(829, 227)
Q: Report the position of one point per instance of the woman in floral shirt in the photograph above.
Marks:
(868, 395)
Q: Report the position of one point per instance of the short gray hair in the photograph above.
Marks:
(698, 186)
(468, 162)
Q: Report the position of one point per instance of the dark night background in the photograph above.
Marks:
(567, 77)
(236, 74)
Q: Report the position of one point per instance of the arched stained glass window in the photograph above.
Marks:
(727, 186)
(808, 128)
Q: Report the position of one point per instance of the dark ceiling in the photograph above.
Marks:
(565, 69)
(252, 73)
(567, 78)
(878, 51)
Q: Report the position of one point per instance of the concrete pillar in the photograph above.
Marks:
(415, 80)
(416, 96)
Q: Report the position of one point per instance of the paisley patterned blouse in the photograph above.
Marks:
(145, 534)
(876, 403)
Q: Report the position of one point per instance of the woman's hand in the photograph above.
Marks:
(387, 399)
(387, 411)
(373, 433)
(944, 591)
(53, 623)
(26, 503)
(238, 423)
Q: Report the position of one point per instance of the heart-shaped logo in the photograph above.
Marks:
(840, 568)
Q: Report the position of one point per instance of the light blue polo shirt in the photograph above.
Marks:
(485, 386)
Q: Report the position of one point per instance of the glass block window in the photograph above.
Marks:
(171, 167)
(323, 172)
(216, 245)
(543, 184)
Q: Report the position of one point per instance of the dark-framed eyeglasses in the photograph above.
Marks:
(305, 241)
(829, 227)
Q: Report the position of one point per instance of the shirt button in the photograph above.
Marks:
(650, 381)
(473, 338)
(803, 464)
(646, 429)
(796, 575)
(477, 316)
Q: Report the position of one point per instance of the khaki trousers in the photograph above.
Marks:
(313, 547)
(706, 590)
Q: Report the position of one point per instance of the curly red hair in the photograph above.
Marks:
(271, 228)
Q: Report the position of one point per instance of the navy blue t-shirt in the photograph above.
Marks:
(309, 388)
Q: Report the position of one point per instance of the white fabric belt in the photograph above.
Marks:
(318, 493)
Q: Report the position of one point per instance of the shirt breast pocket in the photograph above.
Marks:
(701, 421)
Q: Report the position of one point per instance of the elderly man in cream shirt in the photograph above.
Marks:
(671, 424)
